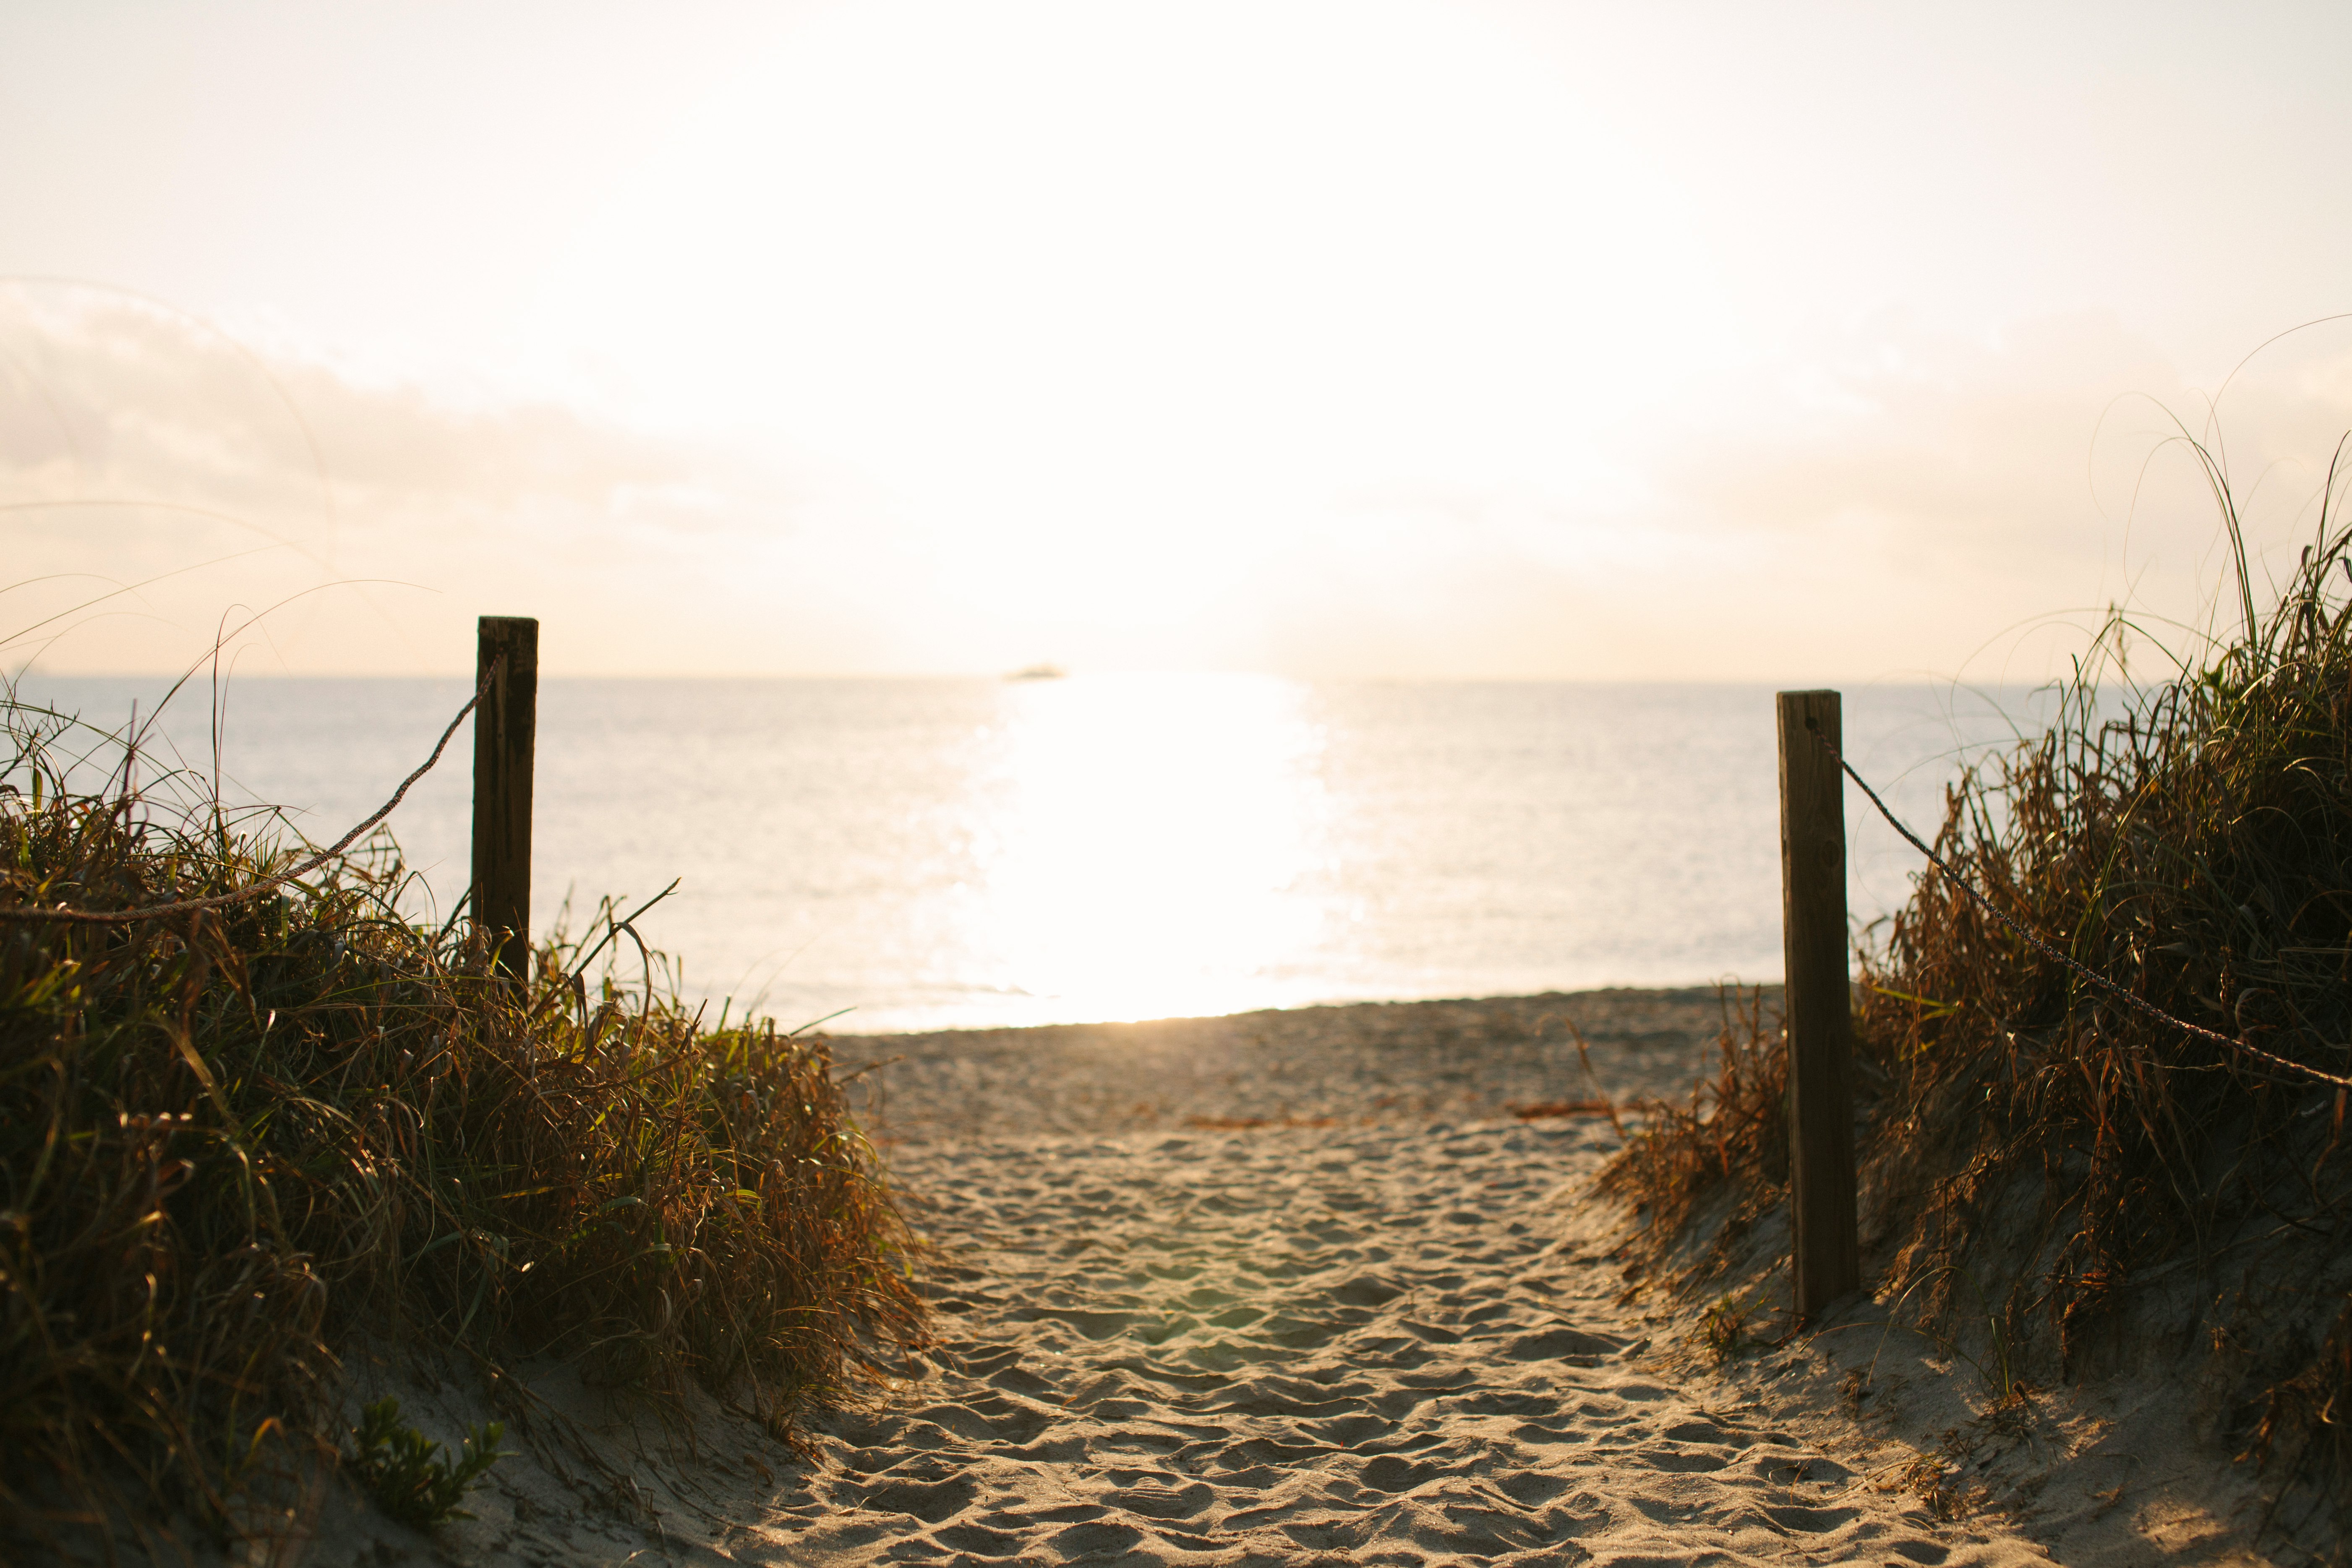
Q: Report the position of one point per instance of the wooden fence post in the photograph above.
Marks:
(504, 734)
(1819, 1000)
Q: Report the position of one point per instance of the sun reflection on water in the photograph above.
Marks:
(1151, 844)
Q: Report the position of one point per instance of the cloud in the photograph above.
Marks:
(1887, 500)
(1883, 500)
(1983, 482)
(138, 444)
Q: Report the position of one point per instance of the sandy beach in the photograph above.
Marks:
(1302, 1287)
(1294, 1287)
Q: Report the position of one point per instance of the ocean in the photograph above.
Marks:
(905, 854)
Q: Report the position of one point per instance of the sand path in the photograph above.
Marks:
(1288, 1345)
(1300, 1287)
(1377, 1340)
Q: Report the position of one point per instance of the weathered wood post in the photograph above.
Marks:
(507, 655)
(1819, 1000)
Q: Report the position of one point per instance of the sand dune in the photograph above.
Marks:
(1286, 1288)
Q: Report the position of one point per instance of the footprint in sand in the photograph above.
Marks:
(1295, 1345)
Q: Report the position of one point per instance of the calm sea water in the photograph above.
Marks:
(935, 853)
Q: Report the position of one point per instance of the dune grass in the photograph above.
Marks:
(232, 1140)
(1732, 1133)
(2083, 1181)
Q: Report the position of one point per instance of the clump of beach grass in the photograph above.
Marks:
(2195, 848)
(236, 1140)
(2047, 1161)
(1731, 1135)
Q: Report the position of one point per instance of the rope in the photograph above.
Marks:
(218, 901)
(2137, 1004)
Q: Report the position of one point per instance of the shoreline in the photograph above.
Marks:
(1457, 1060)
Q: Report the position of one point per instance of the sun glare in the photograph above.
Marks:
(1049, 269)
(1153, 838)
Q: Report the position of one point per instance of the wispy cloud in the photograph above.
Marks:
(1884, 499)
(138, 444)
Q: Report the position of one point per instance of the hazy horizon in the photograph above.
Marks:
(1419, 339)
(963, 853)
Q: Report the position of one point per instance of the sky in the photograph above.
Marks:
(1420, 339)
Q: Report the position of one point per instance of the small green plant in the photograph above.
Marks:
(407, 1472)
(1724, 1327)
(1933, 1480)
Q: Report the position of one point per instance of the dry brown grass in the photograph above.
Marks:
(2046, 1153)
(2075, 1181)
(232, 1140)
(1731, 1133)
(1557, 1108)
(1245, 1123)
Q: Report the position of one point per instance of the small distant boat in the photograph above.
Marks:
(1039, 672)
